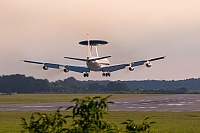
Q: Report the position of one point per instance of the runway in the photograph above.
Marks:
(171, 103)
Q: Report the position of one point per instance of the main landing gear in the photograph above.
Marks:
(107, 74)
(85, 74)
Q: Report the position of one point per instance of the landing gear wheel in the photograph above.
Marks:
(107, 74)
(103, 74)
(85, 75)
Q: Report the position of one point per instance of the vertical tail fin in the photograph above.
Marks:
(89, 47)
(96, 51)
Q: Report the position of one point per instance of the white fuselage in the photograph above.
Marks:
(98, 64)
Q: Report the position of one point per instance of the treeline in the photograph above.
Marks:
(22, 84)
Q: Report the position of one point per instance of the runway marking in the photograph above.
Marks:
(37, 106)
(122, 102)
(162, 110)
(144, 103)
(141, 107)
(171, 104)
(125, 102)
(152, 107)
(134, 104)
(176, 111)
(130, 107)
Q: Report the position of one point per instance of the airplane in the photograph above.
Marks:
(95, 63)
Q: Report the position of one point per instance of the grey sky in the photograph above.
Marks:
(136, 29)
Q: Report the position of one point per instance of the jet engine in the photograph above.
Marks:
(45, 68)
(148, 64)
(131, 68)
(66, 70)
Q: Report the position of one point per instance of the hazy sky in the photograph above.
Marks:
(48, 30)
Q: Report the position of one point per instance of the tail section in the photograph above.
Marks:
(91, 43)
(89, 47)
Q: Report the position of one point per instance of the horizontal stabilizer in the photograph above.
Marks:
(154, 59)
(93, 59)
(99, 58)
(76, 58)
(35, 62)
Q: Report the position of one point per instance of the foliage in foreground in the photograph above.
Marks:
(44, 123)
(132, 127)
(87, 117)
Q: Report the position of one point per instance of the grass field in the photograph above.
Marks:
(166, 122)
(43, 98)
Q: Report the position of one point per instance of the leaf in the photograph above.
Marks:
(111, 102)
(96, 97)
(124, 123)
(69, 107)
(146, 118)
(152, 122)
(75, 100)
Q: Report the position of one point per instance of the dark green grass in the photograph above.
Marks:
(44, 98)
(166, 122)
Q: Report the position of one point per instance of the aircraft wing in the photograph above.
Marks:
(79, 69)
(112, 68)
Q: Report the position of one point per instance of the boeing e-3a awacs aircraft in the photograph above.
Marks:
(95, 63)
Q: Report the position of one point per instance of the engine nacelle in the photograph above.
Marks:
(148, 64)
(66, 70)
(45, 68)
(131, 68)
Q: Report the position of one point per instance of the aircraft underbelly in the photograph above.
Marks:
(94, 66)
